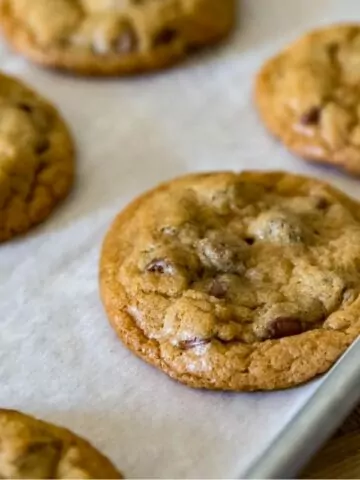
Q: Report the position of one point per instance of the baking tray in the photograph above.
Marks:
(336, 397)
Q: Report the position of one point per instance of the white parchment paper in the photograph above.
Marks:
(59, 358)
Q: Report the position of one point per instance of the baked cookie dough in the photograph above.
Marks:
(113, 37)
(30, 448)
(232, 281)
(36, 158)
(309, 97)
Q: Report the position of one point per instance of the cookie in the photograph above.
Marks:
(31, 448)
(36, 158)
(232, 281)
(113, 37)
(308, 96)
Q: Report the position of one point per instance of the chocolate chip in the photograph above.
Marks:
(43, 447)
(127, 42)
(165, 36)
(250, 241)
(285, 327)
(160, 265)
(25, 107)
(322, 203)
(216, 253)
(333, 50)
(195, 342)
(311, 117)
(40, 446)
(217, 289)
(42, 146)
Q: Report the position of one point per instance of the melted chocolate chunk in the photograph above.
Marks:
(42, 146)
(25, 107)
(164, 37)
(285, 327)
(322, 203)
(333, 50)
(311, 117)
(250, 241)
(217, 289)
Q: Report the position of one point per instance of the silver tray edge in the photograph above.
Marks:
(322, 414)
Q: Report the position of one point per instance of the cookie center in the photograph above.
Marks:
(241, 263)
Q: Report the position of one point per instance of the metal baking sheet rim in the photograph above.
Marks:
(335, 398)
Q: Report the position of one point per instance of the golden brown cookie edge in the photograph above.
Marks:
(293, 142)
(69, 145)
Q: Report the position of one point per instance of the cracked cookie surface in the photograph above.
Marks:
(111, 37)
(30, 448)
(308, 96)
(236, 281)
(36, 158)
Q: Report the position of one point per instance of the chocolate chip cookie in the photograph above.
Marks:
(236, 281)
(31, 448)
(36, 158)
(111, 37)
(308, 96)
